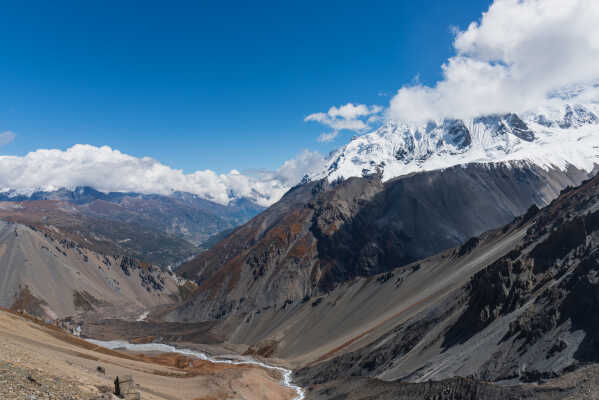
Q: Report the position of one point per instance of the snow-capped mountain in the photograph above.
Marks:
(559, 136)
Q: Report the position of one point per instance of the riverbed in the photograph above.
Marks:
(287, 374)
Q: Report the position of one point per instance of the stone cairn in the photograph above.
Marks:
(125, 388)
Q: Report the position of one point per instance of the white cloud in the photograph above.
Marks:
(327, 136)
(357, 118)
(292, 171)
(6, 137)
(511, 60)
(107, 169)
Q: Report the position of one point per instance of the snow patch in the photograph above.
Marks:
(143, 316)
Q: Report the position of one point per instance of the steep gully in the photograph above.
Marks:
(286, 381)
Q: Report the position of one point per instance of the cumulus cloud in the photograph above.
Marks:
(6, 137)
(107, 170)
(511, 60)
(357, 118)
(307, 162)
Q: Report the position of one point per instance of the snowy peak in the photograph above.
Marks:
(505, 125)
(564, 135)
(577, 116)
(418, 143)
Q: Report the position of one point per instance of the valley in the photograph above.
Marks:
(334, 282)
(385, 200)
(430, 325)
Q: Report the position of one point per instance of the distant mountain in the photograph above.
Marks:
(181, 215)
(102, 235)
(237, 212)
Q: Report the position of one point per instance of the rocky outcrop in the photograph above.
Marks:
(549, 282)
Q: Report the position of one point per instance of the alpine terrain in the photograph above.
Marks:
(415, 256)
(449, 260)
(300, 200)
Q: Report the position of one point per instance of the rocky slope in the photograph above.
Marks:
(321, 235)
(525, 316)
(573, 386)
(55, 277)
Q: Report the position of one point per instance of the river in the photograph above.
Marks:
(166, 348)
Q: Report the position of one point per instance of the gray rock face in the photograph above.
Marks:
(451, 389)
(52, 277)
(501, 125)
(457, 133)
(519, 127)
(577, 116)
(550, 283)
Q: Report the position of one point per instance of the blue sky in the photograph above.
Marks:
(199, 85)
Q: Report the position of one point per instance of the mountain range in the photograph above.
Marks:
(164, 230)
(422, 253)
(391, 197)
(557, 136)
(453, 259)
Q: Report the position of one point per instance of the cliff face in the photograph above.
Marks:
(323, 234)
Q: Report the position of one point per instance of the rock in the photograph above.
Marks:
(100, 369)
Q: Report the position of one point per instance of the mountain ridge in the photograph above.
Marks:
(553, 137)
(322, 234)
